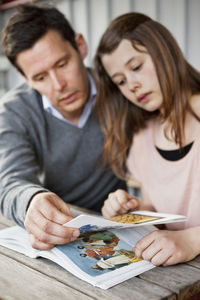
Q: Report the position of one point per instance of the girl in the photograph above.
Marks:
(149, 107)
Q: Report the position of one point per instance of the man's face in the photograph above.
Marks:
(55, 69)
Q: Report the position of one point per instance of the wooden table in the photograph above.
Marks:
(24, 278)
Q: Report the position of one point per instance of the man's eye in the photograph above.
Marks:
(61, 65)
(39, 78)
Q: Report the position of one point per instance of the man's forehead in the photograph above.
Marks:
(45, 53)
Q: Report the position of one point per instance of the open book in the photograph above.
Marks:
(102, 255)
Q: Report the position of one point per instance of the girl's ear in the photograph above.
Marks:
(81, 45)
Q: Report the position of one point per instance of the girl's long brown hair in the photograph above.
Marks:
(178, 80)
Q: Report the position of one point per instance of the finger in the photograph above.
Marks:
(142, 244)
(108, 213)
(172, 258)
(42, 228)
(48, 238)
(126, 202)
(32, 217)
(51, 206)
(169, 261)
(114, 202)
(53, 214)
(151, 251)
(133, 203)
(63, 207)
(36, 219)
(113, 205)
(160, 258)
(157, 252)
(122, 197)
(55, 229)
(37, 244)
(108, 210)
(123, 210)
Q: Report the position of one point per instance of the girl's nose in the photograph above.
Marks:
(133, 85)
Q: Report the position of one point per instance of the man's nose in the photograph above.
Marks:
(57, 81)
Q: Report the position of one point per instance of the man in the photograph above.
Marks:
(51, 141)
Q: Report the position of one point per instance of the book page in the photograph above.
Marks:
(102, 258)
(16, 238)
(105, 258)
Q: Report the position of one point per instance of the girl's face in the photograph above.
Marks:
(135, 75)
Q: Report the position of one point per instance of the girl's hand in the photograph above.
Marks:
(163, 247)
(119, 202)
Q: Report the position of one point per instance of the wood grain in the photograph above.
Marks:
(24, 278)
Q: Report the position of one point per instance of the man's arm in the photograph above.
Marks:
(19, 168)
(22, 197)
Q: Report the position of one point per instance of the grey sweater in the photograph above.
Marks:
(39, 152)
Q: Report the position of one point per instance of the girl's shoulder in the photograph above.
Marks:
(145, 133)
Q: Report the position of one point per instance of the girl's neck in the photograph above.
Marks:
(192, 128)
(162, 140)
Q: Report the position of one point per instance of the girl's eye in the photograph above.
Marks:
(120, 83)
(137, 68)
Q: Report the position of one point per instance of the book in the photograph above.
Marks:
(129, 220)
(102, 255)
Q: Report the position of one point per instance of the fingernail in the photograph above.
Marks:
(75, 234)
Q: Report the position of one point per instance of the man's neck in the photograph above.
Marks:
(73, 117)
(80, 116)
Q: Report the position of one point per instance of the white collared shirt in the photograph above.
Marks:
(86, 111)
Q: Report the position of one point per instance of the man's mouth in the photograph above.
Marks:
(69, 98)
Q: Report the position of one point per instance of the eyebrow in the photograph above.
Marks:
(57, 62)
(126, 64)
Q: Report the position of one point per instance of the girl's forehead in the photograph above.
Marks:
(122, 55)
(126, 47)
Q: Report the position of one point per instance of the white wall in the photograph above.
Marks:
(91, 17)
(181, 17)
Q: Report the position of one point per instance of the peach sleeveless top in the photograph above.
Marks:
(171, 186)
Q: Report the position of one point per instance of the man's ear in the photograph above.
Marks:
(25, 79)
(81, 45)
(20, 72)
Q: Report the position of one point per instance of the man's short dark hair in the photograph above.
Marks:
(28, 25)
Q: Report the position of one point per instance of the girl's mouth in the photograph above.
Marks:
(143, 97)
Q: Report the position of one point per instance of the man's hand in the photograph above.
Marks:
(163, 247)
(44, 221)
(119, 202)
